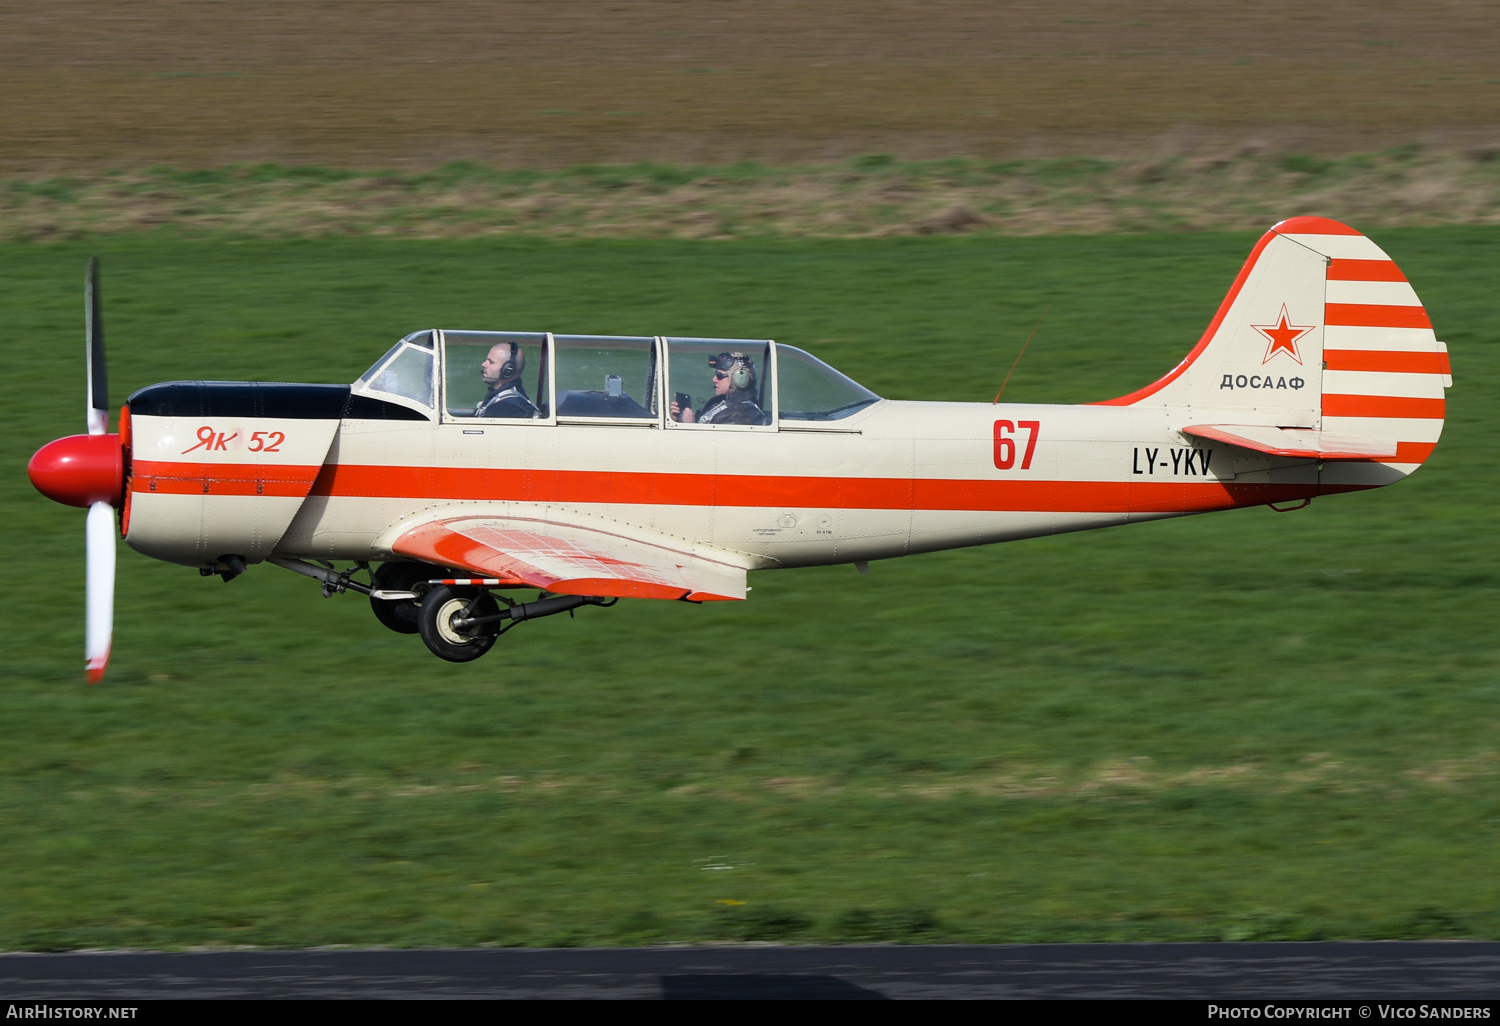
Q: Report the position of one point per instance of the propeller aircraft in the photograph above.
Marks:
(445, 486)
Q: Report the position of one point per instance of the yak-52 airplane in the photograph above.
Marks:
(1319, 374)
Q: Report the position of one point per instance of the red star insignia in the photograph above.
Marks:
(1283, 337)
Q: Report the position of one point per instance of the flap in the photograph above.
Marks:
(1305, 442)
(568, 559)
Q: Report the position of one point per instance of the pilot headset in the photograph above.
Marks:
(741, 373)
(509, 369)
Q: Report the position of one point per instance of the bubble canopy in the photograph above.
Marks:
(450, 375)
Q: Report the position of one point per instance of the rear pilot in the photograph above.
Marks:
(734, 395)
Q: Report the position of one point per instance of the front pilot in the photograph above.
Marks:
(501, 371)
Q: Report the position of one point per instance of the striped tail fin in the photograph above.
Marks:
(1384, 371)
(1320, 349)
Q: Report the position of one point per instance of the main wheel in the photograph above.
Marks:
(400, 615)
(439, 621)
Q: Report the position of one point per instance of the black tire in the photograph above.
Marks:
(441, 606)
(401, 615)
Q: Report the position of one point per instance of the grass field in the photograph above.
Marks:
(874, 195)
(1243, 726)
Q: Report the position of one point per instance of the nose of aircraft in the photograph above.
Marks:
(80, 470)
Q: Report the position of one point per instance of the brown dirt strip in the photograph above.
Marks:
(91, 85)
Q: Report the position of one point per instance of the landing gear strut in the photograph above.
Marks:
(458, 619)
(460, 623)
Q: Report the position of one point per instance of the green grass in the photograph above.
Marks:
(1244, 726)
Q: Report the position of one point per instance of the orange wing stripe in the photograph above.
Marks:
(532, 558)
(433, 543)
(623, 589)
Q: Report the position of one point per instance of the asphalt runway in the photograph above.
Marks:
(1437, 970)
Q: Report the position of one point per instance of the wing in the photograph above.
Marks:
(568, 559)
(1305, 442)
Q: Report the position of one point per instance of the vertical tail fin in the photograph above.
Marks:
(1321, 335)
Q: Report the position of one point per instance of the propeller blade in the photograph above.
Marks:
(99, 624)
(98, 408)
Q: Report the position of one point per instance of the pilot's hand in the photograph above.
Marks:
(686, 416)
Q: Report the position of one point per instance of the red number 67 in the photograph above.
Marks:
(1005, 445)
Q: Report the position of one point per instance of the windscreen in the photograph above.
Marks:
(405, 370)
(812, 390)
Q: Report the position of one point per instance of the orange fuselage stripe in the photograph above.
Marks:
(765, 491)
(587, 486)
(167, 478)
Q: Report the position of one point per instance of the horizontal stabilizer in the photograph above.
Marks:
(1305, 442)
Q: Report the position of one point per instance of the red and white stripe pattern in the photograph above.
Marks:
(1384, 369)
(569, 560)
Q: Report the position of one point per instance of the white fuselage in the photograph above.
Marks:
(894, 479)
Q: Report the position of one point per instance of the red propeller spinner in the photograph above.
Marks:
(80, 470)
